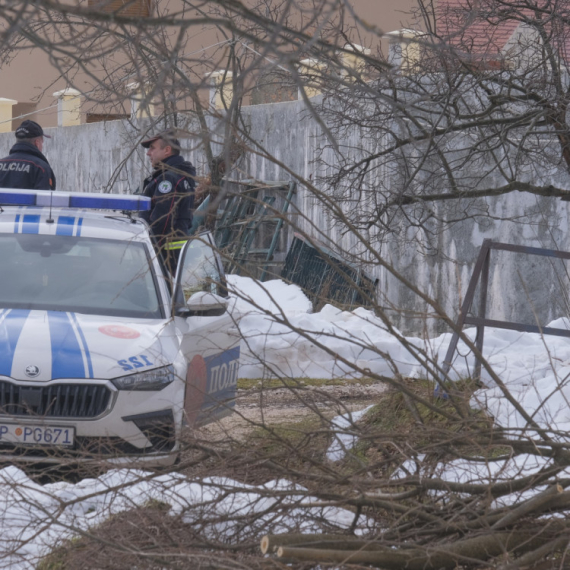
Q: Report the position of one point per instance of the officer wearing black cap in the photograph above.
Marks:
(171, 188)
(26, 167)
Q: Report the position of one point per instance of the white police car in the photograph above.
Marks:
(97, 357)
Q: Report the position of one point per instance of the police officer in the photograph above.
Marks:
(171, 189)
(26, 167)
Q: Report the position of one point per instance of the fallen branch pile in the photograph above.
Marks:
(513, 535)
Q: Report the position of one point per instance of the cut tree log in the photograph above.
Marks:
(552, 497)
(271, 542)
(446, 556)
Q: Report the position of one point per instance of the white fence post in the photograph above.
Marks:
(141, 107)
(68, 107)
(6, 114)
(221, 89)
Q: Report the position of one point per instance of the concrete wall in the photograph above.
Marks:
(100, 157)
(440, 263)
(96, 157)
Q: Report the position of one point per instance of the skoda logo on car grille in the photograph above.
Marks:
(32, 371)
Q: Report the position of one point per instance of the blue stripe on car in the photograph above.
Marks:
(31, 224)
(84, 343)
(65, 226)
(16, 223)
(79, 222)
(10, 330)
(66, 357)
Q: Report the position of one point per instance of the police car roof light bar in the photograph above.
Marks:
(83, 200)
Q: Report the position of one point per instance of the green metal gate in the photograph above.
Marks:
(326, 278)
(249, 227)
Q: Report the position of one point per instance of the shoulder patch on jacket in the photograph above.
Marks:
(165, 187)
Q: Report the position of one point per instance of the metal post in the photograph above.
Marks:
(482, 311)
(465, 308)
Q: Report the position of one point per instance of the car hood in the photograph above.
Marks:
(46, 345)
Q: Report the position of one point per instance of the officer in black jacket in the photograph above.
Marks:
(26, 167)
(171, 188)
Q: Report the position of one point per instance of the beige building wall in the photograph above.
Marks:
(30, 79)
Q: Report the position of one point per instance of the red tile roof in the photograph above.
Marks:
(482, 28)
(472, 26)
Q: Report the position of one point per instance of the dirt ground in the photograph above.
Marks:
(278, 406)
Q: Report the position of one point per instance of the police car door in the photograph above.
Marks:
(210, 343)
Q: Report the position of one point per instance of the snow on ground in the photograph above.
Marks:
(501, 470)
(535, 369)
(280, 331)
(36, 518)
(282, 343)
(274, 296)
(343, 440)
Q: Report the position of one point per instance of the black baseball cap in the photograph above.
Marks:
(30, 130)
(168, 136)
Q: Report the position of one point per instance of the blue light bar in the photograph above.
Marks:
(84, 200)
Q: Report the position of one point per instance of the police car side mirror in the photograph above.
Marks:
(205, 304)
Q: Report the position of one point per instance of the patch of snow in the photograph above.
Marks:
(483, 472)
(275, 296)
(37, 518)
(343, 441)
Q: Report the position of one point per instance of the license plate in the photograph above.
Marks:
(37, 435)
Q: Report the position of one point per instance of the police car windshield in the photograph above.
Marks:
(77, 274)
